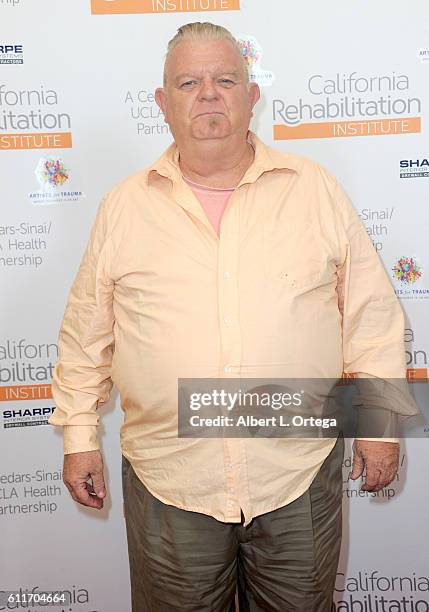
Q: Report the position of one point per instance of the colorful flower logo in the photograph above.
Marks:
(406, 270)
(52, 172)
(250, 51)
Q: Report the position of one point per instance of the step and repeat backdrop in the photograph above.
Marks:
(345, 83)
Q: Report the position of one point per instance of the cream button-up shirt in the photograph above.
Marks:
(292, 287)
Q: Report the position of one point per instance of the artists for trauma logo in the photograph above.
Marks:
(252, 53)
(423, 55)
(52, 174)
(408, 274)
(407, 270)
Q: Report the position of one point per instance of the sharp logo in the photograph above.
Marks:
(11, 54)
(414, 163)
(28, 412)
(10, 48)
(414, 168)
(26, 417)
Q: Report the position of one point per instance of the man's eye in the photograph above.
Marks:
(226, 81)
(187, 84)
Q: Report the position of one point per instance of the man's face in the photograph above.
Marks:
(207, 95)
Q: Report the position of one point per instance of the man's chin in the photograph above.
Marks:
(209, 126)
(208, 136)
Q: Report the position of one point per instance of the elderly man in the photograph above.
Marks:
(225, 258)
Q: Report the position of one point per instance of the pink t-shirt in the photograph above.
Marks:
(212, 199)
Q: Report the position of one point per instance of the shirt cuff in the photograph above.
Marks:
(80, 438)
(381, 423)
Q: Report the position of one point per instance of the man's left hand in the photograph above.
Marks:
(380, 460)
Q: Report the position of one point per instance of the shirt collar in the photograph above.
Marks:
(265, 160)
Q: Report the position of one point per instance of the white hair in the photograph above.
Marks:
(202, 31)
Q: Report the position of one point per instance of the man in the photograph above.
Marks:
(225, 258)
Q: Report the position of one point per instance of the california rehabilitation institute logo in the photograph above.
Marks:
(124, 7)
(407, 270)
(32, 118)
(344, 104)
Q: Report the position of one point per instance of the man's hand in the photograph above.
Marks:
(379, 459)
(83, 477)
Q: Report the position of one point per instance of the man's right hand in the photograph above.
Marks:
(83, 477)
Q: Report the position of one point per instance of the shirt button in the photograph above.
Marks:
(227, 319)
(227, 274)
(227, 368)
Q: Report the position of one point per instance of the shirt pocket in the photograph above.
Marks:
(294, 258)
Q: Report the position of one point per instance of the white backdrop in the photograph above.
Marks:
(346, 83)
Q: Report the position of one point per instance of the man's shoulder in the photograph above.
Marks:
(301, 164)
(118, 200)
(315, 178)
(136, 180)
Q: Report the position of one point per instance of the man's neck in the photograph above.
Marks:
(214, 165)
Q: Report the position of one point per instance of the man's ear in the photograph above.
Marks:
(160, 99)
(254, 94)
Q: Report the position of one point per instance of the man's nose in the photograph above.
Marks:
(208, 91)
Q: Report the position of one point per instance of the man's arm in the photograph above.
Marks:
(373, 341)
(81, 379)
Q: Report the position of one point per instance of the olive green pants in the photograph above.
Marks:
(284, 561)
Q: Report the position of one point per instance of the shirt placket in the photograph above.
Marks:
(231, 350)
